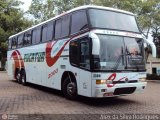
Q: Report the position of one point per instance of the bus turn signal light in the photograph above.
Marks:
(100, 81)
(103, 81)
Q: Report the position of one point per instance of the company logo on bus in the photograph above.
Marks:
(34, 57)
(58, 47)
(113, 77)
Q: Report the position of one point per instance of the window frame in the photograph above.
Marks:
(39, 29)
(10, 43)
(87, 18)
(40, 37)
(79, 50)
(59, 19)
(84, 40)
(69, 25)
(44, 26)
(26, 33)
(91, 27)
(14, 38)
(53, 23)
(22, 40)
(34, 38)
(53, 30)
(78, 61)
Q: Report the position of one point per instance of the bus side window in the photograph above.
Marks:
(65, 26)
(9, 43)
(27, 38)
(44, 33)
(36, 35)
(20, 40)
(74, 54)
(84, 53)
(50, 30)
(58, 28)
(14, 43)
(79, 21)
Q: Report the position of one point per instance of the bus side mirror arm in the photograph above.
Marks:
(153, 47)
(95, 43)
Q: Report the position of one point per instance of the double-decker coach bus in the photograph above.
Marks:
(91, 51)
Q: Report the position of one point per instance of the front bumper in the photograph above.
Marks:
(118, 89)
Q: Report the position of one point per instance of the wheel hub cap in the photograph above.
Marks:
(71, 88)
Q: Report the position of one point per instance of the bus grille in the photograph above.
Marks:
(127, 90)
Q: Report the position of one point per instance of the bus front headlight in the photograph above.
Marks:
(103, 81)
(143, 79)
(100, 81)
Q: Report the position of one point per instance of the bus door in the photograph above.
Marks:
(80, 59)
(85, 74)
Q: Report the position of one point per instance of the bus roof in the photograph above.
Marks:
(72, 10)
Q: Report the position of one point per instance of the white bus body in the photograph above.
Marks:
(74, 64)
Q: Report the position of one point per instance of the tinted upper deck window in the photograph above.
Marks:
(36, 35)
(79, 21)
(44, 33)
(14, 42)
(50, 31)
(65, 26)
(58, 28)
(27, 38)
(112, 20)
(20, 40)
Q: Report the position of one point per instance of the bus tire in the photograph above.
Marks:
(18, 76)
(69, 89)
(23, 78)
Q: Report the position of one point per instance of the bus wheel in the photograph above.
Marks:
(23, 77)
(69, 89)
(18, 76)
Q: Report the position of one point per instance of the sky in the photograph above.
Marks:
(26, 4)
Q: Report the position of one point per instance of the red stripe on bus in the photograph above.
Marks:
(52, 60)
(112, 77)
(16, 60)
(21, 60)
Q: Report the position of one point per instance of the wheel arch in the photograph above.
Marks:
(22, 69)
(65, 74)
(18, 70)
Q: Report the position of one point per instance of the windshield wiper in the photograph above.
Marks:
(131, 58)
(127, 54)
(118, 60)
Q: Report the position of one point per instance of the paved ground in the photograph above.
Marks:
(32, 99)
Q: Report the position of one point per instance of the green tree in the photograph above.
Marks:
(42, 10)
(45, 9)
(11, 22)
(129, 5)
(63, 5)
(149, 17)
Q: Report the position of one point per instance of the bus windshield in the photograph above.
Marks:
(119, 53)
(112, 20)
